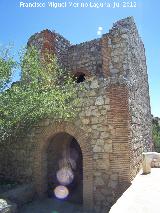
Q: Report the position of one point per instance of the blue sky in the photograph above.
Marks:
(81, 24)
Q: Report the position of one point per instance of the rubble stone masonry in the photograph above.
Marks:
(113, 127)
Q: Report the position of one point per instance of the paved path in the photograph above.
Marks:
(51, 206)
(143, 196)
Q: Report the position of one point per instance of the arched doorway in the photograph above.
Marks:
(42, 141)
(65, 168)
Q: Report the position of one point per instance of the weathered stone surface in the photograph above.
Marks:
(108, 147)
(97, 148)
(94, 84)
(99, 181)
(99, 101)
(85, 121)
(113, 127)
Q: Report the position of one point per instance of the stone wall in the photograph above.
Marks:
(113, 127)
(139, 100)
(61, 49)
(124, 58)
(86, 57)
(52, 41)
(92, 121)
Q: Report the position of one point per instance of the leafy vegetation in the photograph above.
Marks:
(45, 90)
(156, 133)
(7, 66)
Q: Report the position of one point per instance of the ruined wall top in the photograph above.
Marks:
(106, 56)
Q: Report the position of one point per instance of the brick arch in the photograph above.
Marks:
(42, 141)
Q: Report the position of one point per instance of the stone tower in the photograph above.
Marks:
(114, 125)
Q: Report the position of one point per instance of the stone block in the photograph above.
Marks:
(103, 164)
(85, 121)
(99, 181)
(104, 135)
(108, 147)
(97, 148)
(99, 101)
(94, 84)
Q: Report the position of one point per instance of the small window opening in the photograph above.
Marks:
(80, 78)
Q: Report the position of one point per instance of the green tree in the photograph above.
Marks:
(44, 91)
(7, 67)
(156, 134)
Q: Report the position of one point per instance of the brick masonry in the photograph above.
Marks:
(113, 127)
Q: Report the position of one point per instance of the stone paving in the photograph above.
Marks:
(142, 196)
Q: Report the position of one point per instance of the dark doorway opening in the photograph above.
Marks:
(65, 168)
